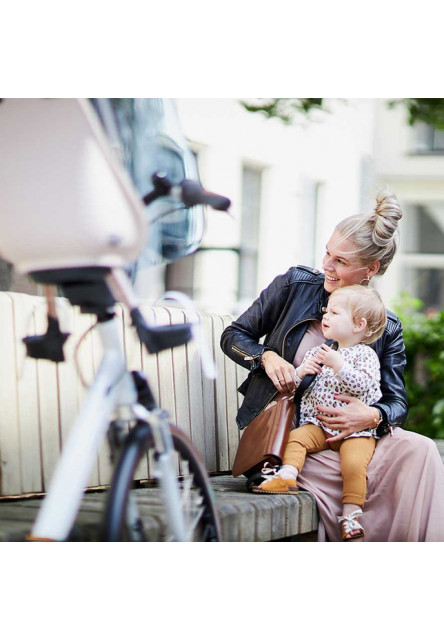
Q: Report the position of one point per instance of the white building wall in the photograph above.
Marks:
(418, 181)
(330, 152)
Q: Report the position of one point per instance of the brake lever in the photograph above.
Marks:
(162, 187)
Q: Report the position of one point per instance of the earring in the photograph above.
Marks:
(365, 280)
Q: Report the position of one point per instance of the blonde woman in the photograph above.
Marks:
(406, 475)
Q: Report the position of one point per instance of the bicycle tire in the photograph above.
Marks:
(138, 442)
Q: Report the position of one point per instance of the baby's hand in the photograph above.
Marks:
(308, 367)
(331, 358)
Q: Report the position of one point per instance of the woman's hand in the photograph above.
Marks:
(280, 372)
(355, 416)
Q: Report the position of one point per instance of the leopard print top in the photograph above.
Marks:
(359, 377)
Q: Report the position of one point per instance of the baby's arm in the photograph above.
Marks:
(359, 376)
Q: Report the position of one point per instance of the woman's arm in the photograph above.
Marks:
(240, 341)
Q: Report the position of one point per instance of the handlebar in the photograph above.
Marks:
(190, 192)
(193, 193)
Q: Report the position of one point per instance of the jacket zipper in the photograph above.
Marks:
(246, 356)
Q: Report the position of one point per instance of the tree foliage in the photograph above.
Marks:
(284, 109)
(427, 110)
(424, 373)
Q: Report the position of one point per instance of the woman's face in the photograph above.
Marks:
(341, 266)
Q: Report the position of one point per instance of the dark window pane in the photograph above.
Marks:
(251, 207)
(426, 284)
(425, 229)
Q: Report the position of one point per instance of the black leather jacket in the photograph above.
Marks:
(281, 314)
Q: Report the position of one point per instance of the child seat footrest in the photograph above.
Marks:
(158, 339)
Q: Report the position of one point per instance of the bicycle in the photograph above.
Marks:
(117, 398)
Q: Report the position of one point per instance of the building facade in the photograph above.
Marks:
(289, 186)
(411, 161)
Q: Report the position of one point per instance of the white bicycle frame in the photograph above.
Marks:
(112, 392)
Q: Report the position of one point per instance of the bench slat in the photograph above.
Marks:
(180, 376)
(209, 399)
(48, 399)
(221, 402)
(232, 403)
(28, 402)
(195, 386)
(9, 421)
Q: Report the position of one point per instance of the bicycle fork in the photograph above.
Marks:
(166, 470)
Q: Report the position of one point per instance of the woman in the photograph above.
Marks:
(405, 496)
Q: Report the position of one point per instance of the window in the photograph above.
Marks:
(424, 231)
(427, 139)
(249, 241)
(423, 254)
(427, 284)
(311, 194)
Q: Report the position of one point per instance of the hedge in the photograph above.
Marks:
(423, 333)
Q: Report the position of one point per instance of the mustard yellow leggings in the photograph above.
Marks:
(355, 454)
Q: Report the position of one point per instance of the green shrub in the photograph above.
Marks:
(424, 374)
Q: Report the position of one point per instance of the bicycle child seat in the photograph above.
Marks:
(66, 202)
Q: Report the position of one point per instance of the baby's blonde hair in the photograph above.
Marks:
(365, 303)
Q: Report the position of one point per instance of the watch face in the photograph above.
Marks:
(146, 135)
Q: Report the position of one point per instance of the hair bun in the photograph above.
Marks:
(387, 213)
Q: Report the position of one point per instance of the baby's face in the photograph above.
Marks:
(337, 322)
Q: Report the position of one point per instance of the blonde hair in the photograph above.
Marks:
(365, 303)
(376, 235)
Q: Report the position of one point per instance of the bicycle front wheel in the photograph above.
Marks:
(125, 506)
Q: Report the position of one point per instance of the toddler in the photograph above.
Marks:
(355, 317)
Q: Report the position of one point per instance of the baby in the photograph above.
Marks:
(355, 317)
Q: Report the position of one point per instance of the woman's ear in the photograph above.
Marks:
(373, 269)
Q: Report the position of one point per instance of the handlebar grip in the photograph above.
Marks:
(193, 193)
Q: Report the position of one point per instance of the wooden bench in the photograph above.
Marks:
(40, 399)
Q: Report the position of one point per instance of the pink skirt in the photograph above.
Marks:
(405, 490)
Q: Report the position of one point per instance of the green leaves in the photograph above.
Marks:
(285, 109)
(424, 374)
(428, 110)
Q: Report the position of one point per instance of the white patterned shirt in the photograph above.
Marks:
(359, 377)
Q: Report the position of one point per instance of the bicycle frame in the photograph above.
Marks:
(112, 392)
